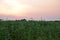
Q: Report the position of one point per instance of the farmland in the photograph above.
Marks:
(29, 30)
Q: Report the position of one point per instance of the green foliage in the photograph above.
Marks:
(29, 30)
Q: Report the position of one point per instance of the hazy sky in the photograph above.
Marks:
(30, 9)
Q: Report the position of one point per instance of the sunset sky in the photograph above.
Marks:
(30, 9)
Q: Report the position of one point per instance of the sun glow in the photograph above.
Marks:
(15, 7)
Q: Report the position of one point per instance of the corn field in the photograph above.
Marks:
(29, 30)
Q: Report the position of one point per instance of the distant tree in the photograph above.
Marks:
(23, 19)
(0, 19)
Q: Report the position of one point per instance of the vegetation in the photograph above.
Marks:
(29, 30)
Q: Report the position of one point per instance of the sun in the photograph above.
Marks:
(14, 4)
(15, 7)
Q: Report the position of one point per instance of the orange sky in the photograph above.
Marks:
(16, 9)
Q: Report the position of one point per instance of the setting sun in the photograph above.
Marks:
(14, 7)
(47, 9)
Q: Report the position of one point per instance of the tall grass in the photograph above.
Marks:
(30, 30)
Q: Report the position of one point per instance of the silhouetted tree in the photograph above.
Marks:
(23, 19)
(0, 19)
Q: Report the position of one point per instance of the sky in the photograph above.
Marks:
(30, 9)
